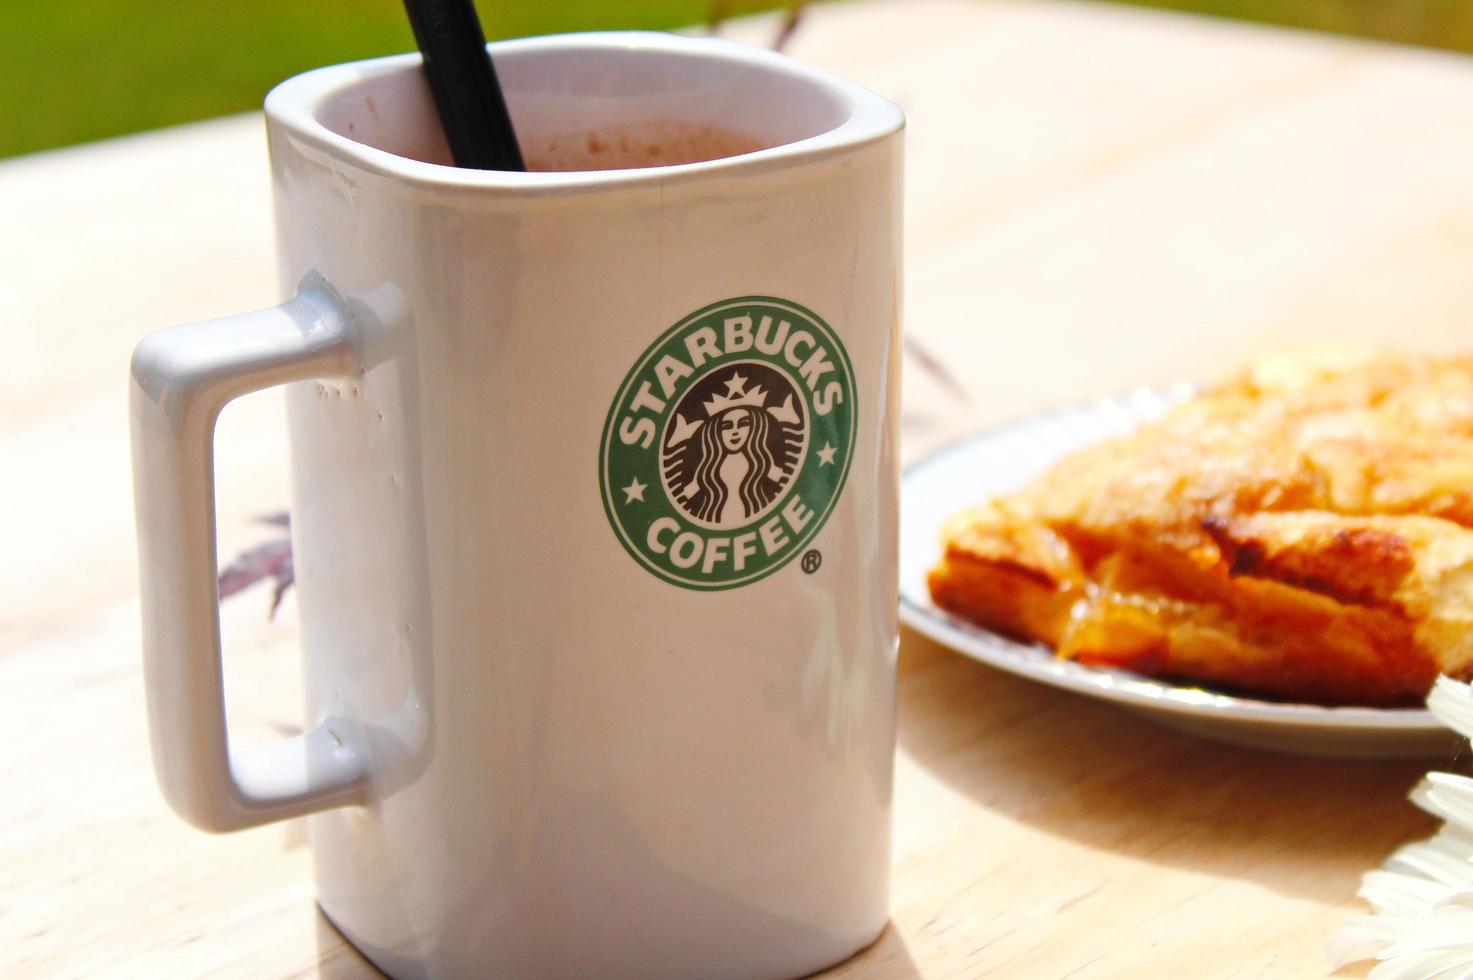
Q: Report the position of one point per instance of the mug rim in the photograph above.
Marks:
(294, 104)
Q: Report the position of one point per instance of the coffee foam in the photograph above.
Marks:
(633, 147)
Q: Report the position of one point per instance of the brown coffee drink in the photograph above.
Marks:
(634, 146)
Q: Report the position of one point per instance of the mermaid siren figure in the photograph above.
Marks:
(729, 457)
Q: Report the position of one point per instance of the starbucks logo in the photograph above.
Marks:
(727, 445)
(733, 444)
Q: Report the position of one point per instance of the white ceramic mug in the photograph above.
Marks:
(594, 520)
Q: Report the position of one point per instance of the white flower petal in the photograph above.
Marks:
(1432, 863)
(1397, 893)
(1422, 895)
(1452, 703)
(1428, 965)
(1449, 800)
(1359, 938)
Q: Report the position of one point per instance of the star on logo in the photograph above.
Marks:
(635, 491)
(735, 385)
(826, 454)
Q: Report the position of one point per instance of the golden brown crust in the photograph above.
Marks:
(1301, 531)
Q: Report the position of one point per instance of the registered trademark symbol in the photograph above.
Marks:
(811, 561)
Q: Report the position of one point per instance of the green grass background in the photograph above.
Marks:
(72, 70)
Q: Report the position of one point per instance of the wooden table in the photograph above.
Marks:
(1098, 197)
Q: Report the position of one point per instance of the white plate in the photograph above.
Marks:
(1005, 458)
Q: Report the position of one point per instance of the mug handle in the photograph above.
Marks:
(182, 378)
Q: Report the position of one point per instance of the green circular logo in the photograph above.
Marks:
(727, 445)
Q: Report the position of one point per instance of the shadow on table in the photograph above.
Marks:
(1081, 769)
(888, 957)
(336, 957)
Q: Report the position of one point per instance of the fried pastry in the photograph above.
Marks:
(1303, 531)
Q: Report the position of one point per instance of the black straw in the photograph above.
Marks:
(463, 82)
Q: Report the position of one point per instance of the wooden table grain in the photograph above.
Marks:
(1098, 197)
